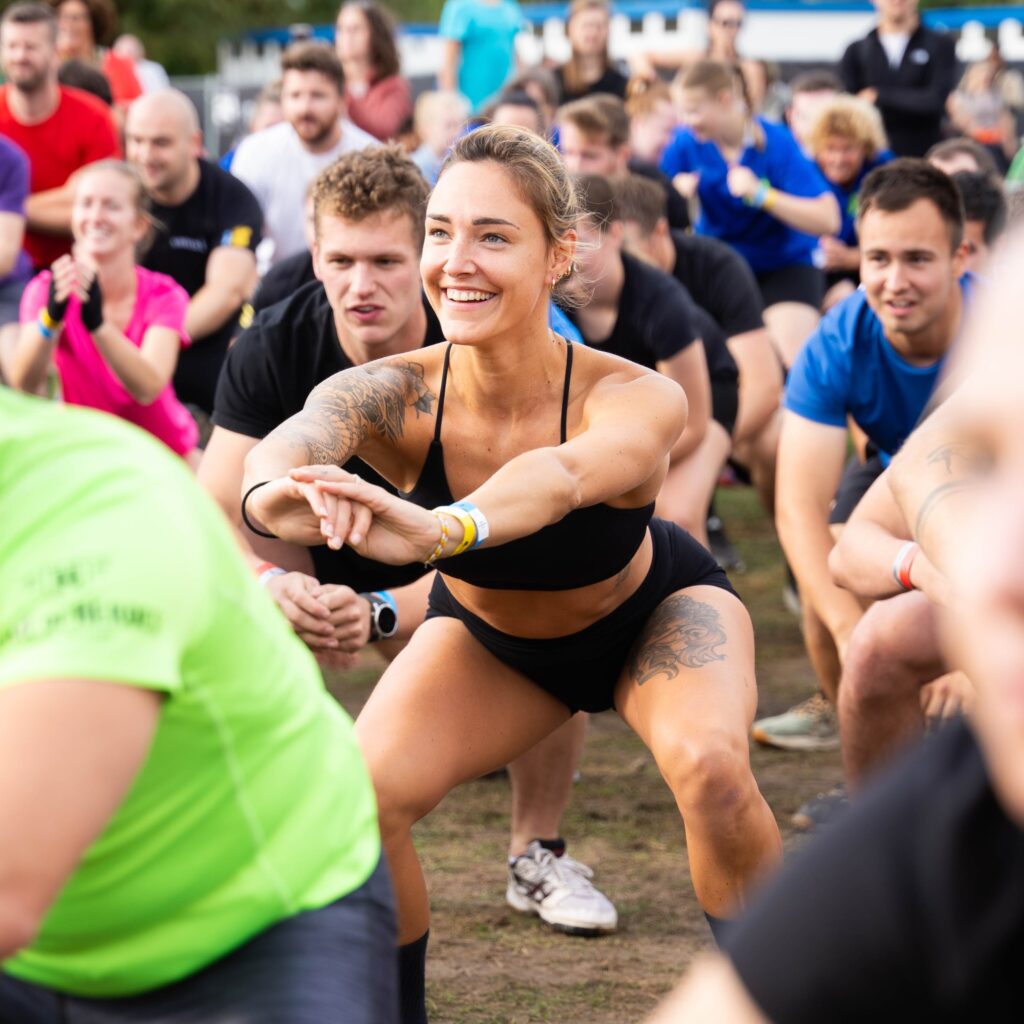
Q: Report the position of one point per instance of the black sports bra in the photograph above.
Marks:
(586, 546)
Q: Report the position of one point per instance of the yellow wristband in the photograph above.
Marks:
(442, 541)
(769, 199)
(468, 526)
(48, 320)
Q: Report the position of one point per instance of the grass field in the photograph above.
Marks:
(490, 965)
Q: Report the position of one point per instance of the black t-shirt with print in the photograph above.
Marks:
(220, 212)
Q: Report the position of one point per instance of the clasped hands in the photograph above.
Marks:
(316, 505)
(72, 275)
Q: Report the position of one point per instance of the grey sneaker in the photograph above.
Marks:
(559, 891)
(811, 725)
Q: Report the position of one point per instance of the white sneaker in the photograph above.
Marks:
(559, 891)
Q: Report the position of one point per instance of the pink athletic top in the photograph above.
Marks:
(87, 380)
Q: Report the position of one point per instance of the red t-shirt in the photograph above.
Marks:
(79, 132)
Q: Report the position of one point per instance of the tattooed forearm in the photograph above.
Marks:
(352, 406)
(683, 633)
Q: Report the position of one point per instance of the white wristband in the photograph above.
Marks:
(267, 574)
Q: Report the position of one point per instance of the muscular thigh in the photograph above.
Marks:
(446, 711)
(692, 668)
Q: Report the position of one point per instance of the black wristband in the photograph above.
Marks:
(245, 515)
(55, 310)
(92, 308)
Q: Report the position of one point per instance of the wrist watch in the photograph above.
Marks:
(383, 615)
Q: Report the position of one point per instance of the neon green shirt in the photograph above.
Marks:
(254, 803)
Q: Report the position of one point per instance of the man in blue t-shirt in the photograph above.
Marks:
(874, 361)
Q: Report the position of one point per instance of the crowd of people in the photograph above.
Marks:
(461, 369)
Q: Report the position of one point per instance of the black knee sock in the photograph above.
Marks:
(719, 927)
(412, 976)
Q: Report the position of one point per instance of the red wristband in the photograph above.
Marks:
(904, 561)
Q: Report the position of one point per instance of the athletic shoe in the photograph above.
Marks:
(810, 725)
(722, 549)
(559, 891)
(824, 810)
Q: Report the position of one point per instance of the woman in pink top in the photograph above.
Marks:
(377, 96)
(113, 329)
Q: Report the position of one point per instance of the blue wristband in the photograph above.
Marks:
(385, 596)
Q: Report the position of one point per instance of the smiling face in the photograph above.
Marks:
(161, 142)
(487, 265)
(369, 269)
(909, 268)
(841, 159)
(105, 215)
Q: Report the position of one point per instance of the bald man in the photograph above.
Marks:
(208, 227)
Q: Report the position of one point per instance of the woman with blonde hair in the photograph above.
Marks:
(589, 69)
(847, 140)
(113, 328)
(528, 468)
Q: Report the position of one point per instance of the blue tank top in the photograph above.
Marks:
(586, 546)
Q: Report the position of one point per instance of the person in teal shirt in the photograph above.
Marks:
(479, 53)
(195, 834)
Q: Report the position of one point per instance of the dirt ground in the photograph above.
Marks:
(490, 965)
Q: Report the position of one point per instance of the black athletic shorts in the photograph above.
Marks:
(336, 965)
(833, 277)
(799, 282)
(350, 569)
(725, 401)
(583, 669)
(855, 483)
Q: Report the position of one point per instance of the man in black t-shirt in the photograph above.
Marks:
(640, 313)
(720, 282)
(368, 304)
(208, 225)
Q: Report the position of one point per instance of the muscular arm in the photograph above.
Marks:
(364, 405)
(811, 459)
(230, 280)
(53, 734)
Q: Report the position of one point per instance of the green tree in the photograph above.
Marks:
(183, 34)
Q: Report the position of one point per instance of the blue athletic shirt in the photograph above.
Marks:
(849, 196)
(848, 367)
(765, 242)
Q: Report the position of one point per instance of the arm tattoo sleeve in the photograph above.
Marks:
(683, 633)
(352, 406)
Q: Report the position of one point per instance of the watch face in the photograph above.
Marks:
(387, 620)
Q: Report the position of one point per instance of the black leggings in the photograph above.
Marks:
(336, 965)
(582, 669)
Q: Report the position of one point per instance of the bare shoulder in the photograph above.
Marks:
(608, 379)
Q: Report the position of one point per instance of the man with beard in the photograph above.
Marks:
(208, 227)
(279, 162)
(60, 129)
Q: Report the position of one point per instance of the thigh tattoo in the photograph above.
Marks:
(681, 632)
